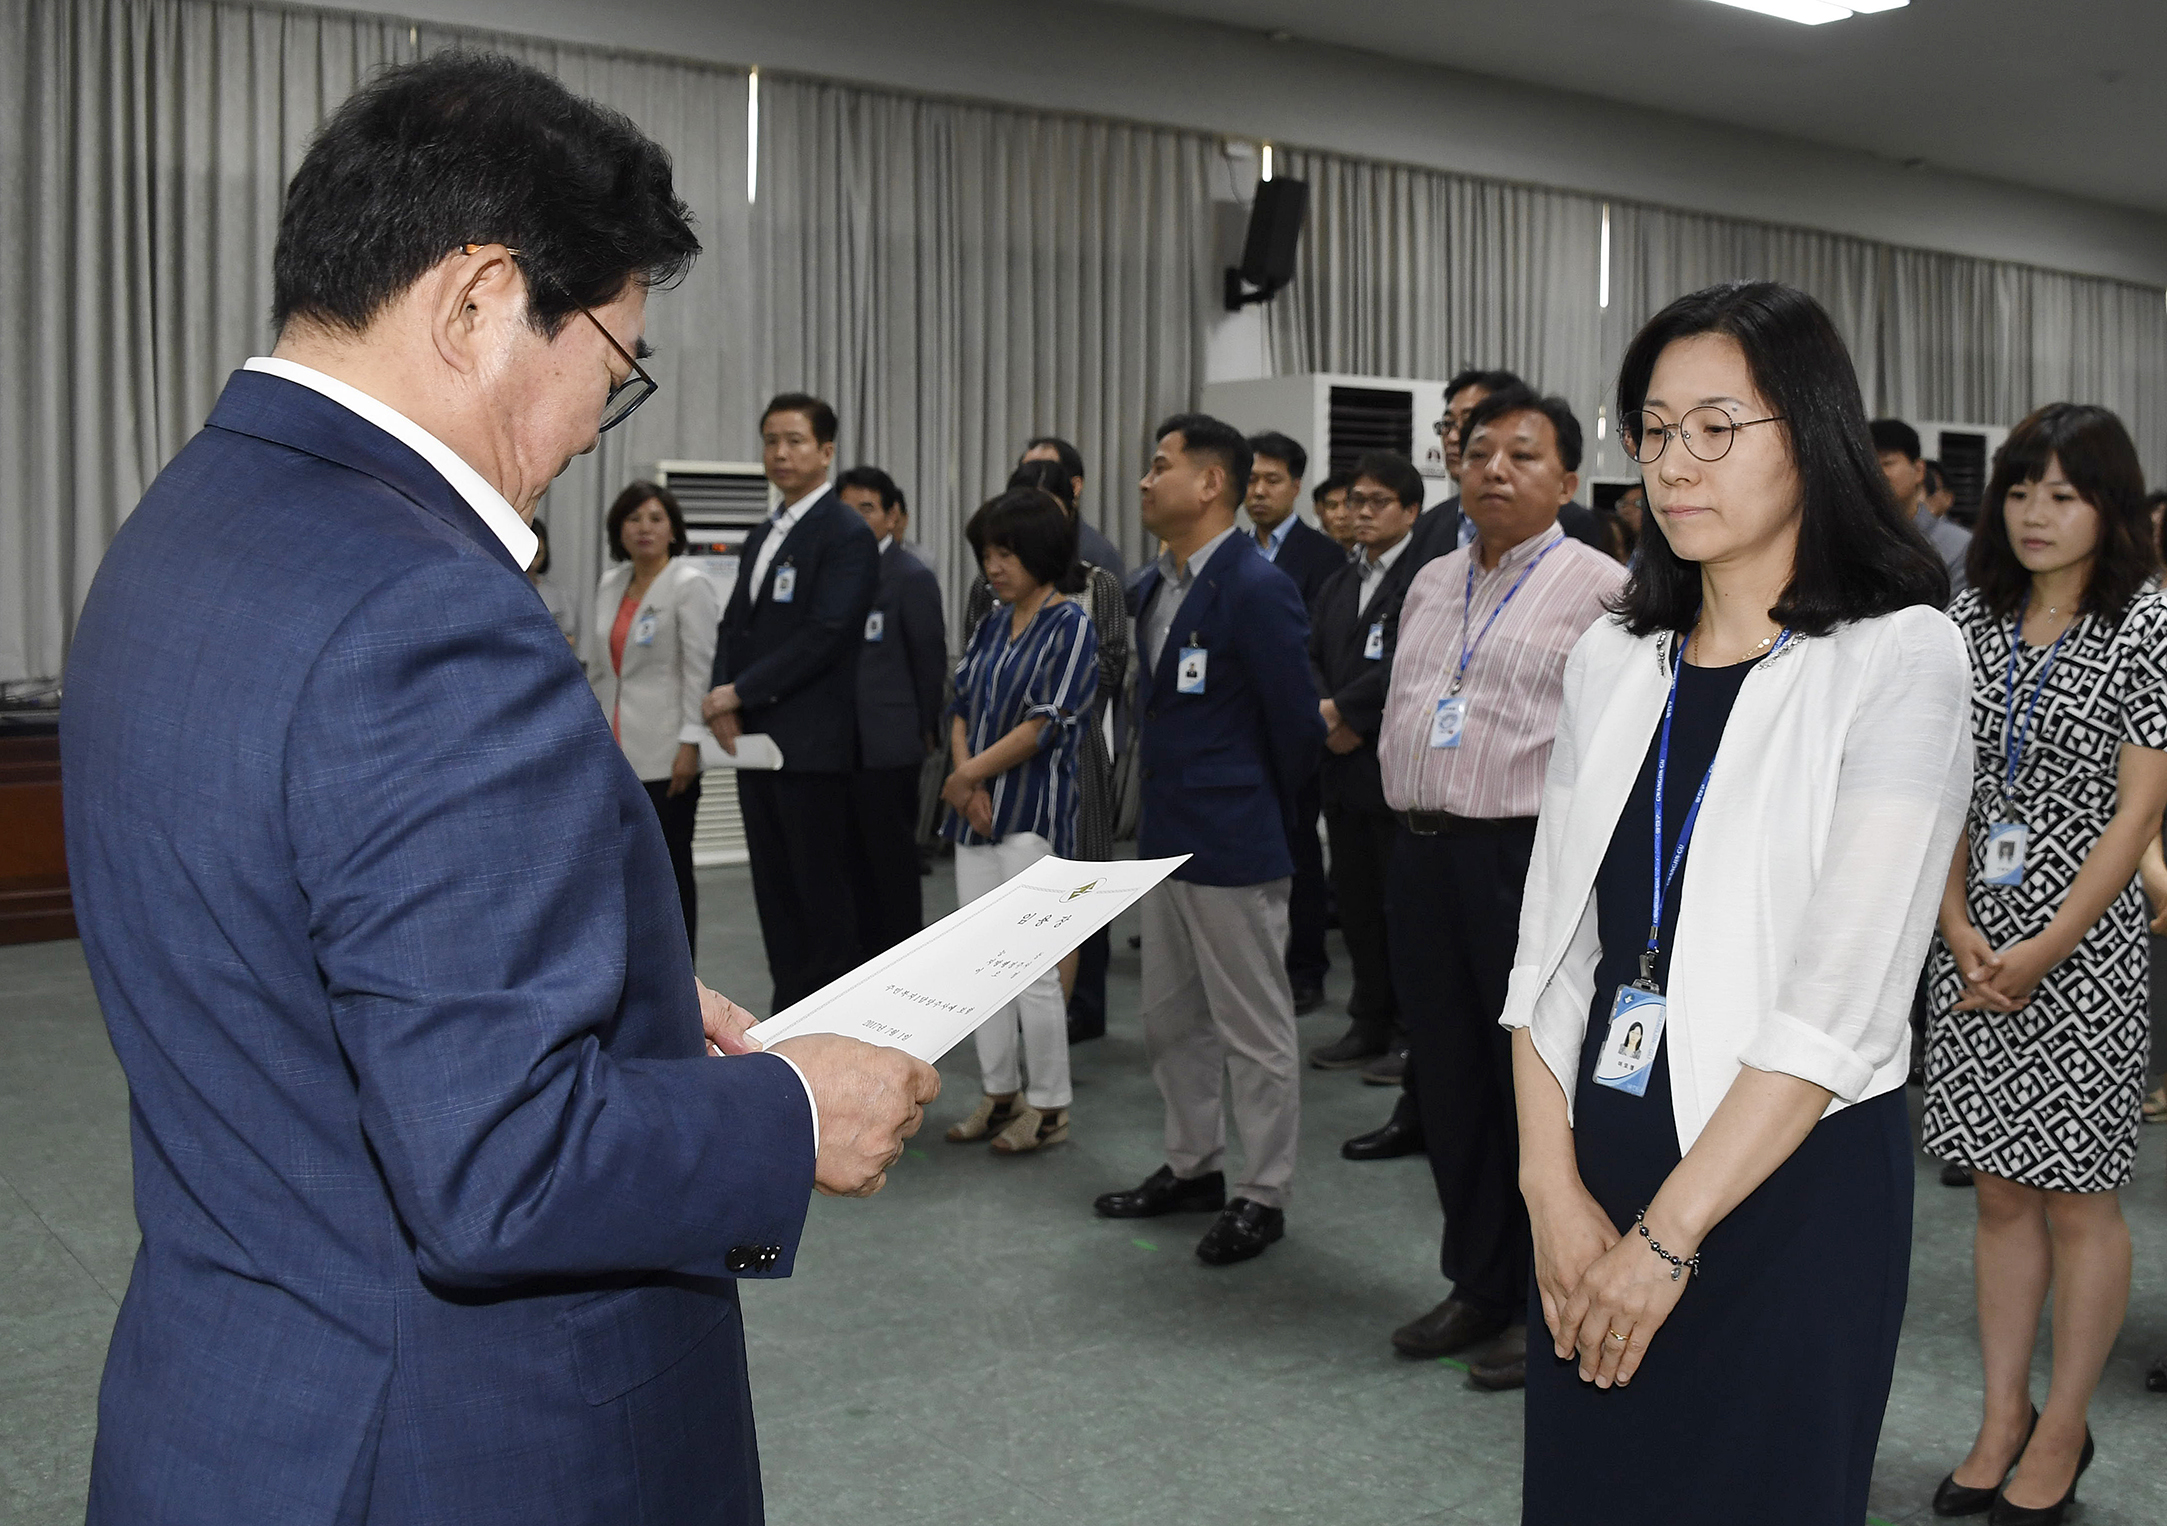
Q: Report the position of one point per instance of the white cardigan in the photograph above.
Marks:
(1817, 867)
(657, 697)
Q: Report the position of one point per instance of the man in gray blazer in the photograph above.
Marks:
(902, 684)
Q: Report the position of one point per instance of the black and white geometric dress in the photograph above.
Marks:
(2048, 1095)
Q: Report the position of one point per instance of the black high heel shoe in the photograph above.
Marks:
(2006, 1514)
(1953, 1498)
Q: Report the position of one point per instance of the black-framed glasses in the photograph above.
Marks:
(1376, 502)
(624, 396)
(1707, 432)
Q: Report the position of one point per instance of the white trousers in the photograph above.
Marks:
(1029, 1036)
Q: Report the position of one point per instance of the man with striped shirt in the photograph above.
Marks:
(1477, 680)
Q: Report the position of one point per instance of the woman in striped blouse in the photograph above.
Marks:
(1023, 688)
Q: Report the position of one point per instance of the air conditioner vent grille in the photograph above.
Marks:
(1370, 418)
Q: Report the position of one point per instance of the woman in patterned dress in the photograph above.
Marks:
(2036, 1060)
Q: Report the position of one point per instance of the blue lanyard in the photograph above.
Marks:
(1664, 880)
(1467, 607)
(2012, 736)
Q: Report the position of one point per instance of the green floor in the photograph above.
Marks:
(972, 1346)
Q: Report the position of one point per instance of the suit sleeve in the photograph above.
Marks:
(699, 617)
(925, 637)
(456, 805)
(840, 595)
(1361, 698)
(1277, 628)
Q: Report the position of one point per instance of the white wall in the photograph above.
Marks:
(1147, 67)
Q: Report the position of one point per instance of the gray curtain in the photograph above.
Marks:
(954, 277)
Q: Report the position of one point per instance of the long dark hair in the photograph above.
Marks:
(1858, 554)
(2101, 464)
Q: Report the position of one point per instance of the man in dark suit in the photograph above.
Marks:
(902, 684)
(442, 1195)
(786, 666)
(1230, 733)
(1091, 545)
(1351, 624)
(1310, 557)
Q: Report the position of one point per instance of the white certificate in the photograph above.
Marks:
(930, 992)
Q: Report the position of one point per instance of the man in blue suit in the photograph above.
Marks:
(1230, 735)
(443, 1198)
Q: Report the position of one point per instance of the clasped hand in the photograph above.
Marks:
(721, 712)
(1604, 1295)
(1997, 982)
(967, 793)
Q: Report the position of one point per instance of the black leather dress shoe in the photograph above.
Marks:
(1164, 1192)
(1504, 1365)
(1351, 1050)
(1446, 1330)
(1954, 1499)
(1955, 1175)
(2006, 1514)
(1388, 1069)
(1242, 1231)
(1398, 1137)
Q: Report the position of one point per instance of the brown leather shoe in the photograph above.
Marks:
(1504, 1365)
(1446, 1330)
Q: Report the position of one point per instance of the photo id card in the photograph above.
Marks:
(1449, 721)
(2005, 841)
(1629, 1048)
(1189, 676)
(876, 625)
(643, 629)
(786, 583)
(1373, 648)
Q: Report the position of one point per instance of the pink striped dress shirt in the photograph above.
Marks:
(1515, 682)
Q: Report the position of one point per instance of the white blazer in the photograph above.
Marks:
(1817, 867)
(656, 700)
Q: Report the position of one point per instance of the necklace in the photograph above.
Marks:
(1747, 655)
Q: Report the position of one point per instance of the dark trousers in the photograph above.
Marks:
(1454, 923)
(797, 833)
(1361, 856)
(1087, 1002)
(1307, 961)
(884, 857)
(677, 813)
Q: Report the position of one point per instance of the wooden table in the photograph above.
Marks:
(34, 902)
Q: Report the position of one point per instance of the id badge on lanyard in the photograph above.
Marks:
(786, 584)
(643, 629)
(1373, 648)
(2007, 841)
(1448, 722)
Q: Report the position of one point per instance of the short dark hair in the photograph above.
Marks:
(1031, 525)
(1476, 376)
(1071, 458)
(1935, 480)
(1214, 440)
(1858, 555)
(817, 413)
(2100, 462)
(1048, 477)
(1392, 469)
(1337, 482)
(466, 148)
(631, 498)
(1896, 435)
(1522, 398)
(540, 565)
(875, 480)
(1280, 448)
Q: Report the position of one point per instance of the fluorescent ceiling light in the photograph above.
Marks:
(1815, 12)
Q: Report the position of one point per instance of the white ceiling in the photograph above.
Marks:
(2068, 95)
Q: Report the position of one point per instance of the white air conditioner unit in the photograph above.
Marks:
(1337, 417)
(1966, 453)
(722, 502)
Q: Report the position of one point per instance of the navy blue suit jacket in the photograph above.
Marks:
(903, 675)
(441, 1200)
(1220, 769)
(1310, 557)
(795, 663)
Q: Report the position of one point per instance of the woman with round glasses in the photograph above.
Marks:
(1759, 776)
(2035, 1065)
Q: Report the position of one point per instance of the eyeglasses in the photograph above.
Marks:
(1374, 501)
(624, 396)
(1707, 432)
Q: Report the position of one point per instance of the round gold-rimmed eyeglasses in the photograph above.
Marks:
(1707, 432)
(624, 396)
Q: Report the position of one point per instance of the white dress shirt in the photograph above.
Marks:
(1371, 573)
(502, 519)
(1836, 801)
(780, 524)
(1274, 538)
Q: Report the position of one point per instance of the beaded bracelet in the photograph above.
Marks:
(1679, 1265)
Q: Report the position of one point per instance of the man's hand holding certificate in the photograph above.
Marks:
(930, 992)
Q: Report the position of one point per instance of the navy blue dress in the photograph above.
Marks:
(1761, 1397)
